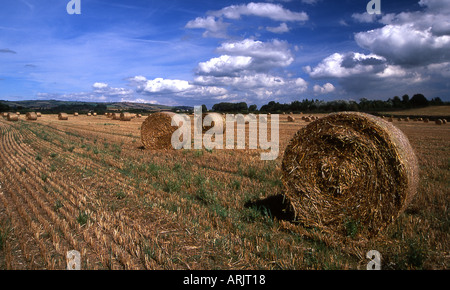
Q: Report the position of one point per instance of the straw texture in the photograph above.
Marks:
(349, 168)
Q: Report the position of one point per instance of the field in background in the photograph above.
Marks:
(427, 111)
(87, 184)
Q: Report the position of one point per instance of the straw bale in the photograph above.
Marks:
(63, 116)
(349, 168)
(12, 117)
(32, 116)
(157, 130)
(126, 116)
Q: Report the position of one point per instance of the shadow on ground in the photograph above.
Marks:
(276, 206)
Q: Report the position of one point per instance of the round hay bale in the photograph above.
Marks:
(12, 117)
(63, 116)
(5, 115)
(438, 122)
(156, 131)
(426, 120)
(39, 114)
(349, 169)
(75, 114)
(94, 114)
(18, 113)
(31, 116)
(290, 119)
(89, 114)
(116, 116)
(390, 119)
(444, 121)
(126, 116)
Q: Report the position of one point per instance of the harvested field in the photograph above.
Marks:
(87, 184)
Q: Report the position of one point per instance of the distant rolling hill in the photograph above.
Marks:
(55, 106)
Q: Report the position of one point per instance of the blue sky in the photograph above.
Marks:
(178, 52)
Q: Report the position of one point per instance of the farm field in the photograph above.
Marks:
(427, 111)
(87, 184)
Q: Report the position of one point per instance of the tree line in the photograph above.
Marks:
(320, 106)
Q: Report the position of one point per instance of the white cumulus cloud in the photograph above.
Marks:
(269, 10)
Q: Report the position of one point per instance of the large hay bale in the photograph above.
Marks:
(349, 169)
(12, 117)
(31, 116)
(126, 116)
(63, 116)
(116, 116)
(157, 130)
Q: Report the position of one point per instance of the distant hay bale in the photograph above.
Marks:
(126, 116)
(94, 114)
(390, 119)
(116, 116)
(290, 119)
(75, 114)
(5, 115)
(157, 130)
(18, 113)
(63, 116)
(444, 121)
(426, 120)
(349, 168)
(438, 122)
(12, 117)
(31, 116)
(39, 114)
(307, 119)
(139, 115)
(89, 114)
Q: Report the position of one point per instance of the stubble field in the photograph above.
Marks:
(87, 184)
